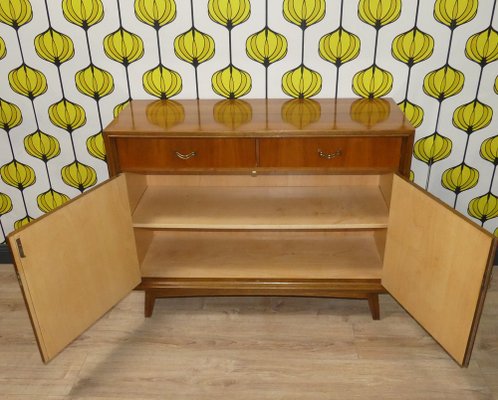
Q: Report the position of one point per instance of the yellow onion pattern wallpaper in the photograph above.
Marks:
(68, 66)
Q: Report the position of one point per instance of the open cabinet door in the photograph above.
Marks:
(75, 263)
(437, 265)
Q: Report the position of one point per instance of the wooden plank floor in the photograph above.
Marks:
(244, 348)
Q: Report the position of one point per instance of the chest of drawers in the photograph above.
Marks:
(257, 197)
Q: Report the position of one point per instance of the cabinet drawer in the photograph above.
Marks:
(357, 152)
(151, 154)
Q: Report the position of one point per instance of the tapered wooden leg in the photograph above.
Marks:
(373, 304)
(150, 300)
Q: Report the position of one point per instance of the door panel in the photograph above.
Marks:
(75, 263)
(437, 265)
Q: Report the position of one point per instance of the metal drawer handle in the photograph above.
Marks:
(330, 156)
(185, 156)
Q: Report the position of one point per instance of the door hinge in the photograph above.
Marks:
(19, 279)
(20, 249)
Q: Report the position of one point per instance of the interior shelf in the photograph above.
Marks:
(325, 207)
(263, 255)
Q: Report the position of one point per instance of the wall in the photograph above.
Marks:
(66, 67)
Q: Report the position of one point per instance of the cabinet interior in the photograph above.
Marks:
(264, 226)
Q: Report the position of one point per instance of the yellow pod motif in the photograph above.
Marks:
(15, 13)
(411, 176)
(18, 175)
(54, 47)
(232, 113)
(266, 47)
(370, 112)
(123, 46)
(165, 114)
(96, 147)
(304, 13)
(443, 83)
(5, 204)
(194, 47)
(489, 150)
(67, 115)
(162, 82)
(496, 84)
(453, 13)
(83, 13)
(118, 108)
(155, 13)
(27, 81)
(301, 83)
(379, 13)
(42, 146)
(484, 207)
(79, 175)
(10, 115)
(460, 178)
(432, 148)
(339, 47)
(412, 47)
(50, 200)
(413, 112)
(301, 112)
(372, 83)
(3, 49)
(483, 47)
(472, 116)
(23, 221)
(229, 13)
(231, 82)
(94, 82)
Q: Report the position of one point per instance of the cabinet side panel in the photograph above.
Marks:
(385, 186)
(76, 263)
(136, 184)
(434, 265)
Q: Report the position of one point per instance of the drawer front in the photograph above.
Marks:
(357, 152)
(151, 154)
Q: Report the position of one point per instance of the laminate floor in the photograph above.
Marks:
(244, 348)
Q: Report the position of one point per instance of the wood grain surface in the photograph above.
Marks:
(256, 117)
(265, 255)
(236, 135)
(435, 264)
(70, 275)
(218, 207)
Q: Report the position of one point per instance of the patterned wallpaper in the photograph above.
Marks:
(68, 66)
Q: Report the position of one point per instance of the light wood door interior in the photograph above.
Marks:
(437, 265)
(77, 263)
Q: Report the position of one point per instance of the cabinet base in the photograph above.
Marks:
(155, 288)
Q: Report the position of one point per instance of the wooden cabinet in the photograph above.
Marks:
(277, 198)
